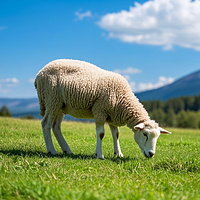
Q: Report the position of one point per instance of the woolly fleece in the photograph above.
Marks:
(84, 90)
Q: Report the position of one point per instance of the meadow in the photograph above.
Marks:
(28, 172)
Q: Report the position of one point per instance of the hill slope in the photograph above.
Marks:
(20, 105)
(188, 85)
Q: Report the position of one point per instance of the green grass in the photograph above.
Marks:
(27, 172)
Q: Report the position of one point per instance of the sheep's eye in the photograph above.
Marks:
(145, 134)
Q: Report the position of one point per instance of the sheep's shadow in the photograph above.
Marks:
(23, 153)
(40, 154)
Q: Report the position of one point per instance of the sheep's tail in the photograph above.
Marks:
(40, 97)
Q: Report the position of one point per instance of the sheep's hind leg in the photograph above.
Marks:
(115, 135)
(100, 135)
(58, 134)
(46, 129)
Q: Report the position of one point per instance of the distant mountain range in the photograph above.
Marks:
(20, 105)
(186, 86)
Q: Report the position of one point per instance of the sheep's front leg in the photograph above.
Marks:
(115, 135)
(100, 135)
(58, 134)
(46, 129)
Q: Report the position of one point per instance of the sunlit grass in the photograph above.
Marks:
(27, 172)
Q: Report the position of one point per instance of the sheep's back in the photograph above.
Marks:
(80, 84)
(81, 75)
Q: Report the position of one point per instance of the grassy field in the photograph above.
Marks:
(27, 172)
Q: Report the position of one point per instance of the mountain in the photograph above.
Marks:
(20, 105)
(186, 86)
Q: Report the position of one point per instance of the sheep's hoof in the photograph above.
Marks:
(101, 158)
(50, 153)
(119, 155)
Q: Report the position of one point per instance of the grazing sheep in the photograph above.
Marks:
(84, 90)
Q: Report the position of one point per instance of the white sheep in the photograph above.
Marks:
(84, 90)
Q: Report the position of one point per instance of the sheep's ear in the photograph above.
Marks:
(139, 126)
(163, 131)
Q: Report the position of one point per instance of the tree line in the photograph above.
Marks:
(183, 112)
(4, 112)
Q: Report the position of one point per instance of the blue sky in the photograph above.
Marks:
(151, 43)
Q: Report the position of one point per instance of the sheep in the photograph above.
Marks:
(84, 90)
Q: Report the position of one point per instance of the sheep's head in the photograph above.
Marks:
(146, 135)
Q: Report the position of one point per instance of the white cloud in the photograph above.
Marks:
(81, 16)
(126, 76)
(31, 80)
(133, 85)
(4, 91)
(7, 84)
(3, 27)
(9, 80)
(129, 70)
(162, 81)
(157, 22)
